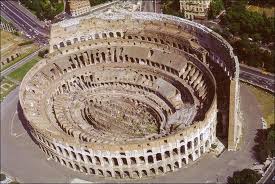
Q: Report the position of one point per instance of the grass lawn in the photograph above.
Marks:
(21, 72)
(6, 87)
(17, 59)
(269, 11)
(266, 101)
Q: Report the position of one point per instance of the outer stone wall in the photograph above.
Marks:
(149, 73)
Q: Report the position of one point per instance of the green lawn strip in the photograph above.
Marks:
(3, 20)
(5, 89)
(266, 101)
(19, 73)
(22, 56)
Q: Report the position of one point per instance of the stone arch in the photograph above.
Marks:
(160, 169)
(100, 172)
(108, 174)
(166, 154)
(92, 171)
(118, 34)
(70, 165)
(126, 174)
(207, 143)
(176, 165)
(133, 160)
(75, 40)
(169, 167)
(111, 34)
(150, 159)
(144, 173)
(69, 42)
(115, 162)
(62, 44)
(158, 157)
(183, 160)
(182, 149)
(117, 174)
(84, 169)
(135, 174)
(152, 171)
(77, 167)
(97, 160)
(142, 160)
(190, 156)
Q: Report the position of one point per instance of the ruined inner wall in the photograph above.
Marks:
(123, 95)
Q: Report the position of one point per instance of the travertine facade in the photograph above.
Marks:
(195, 9)
(130, 95)
(79, 7)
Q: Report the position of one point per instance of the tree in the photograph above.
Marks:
(216, 6)
(244, 176)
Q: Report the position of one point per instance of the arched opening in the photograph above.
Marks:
(133, 160)
(152, 171)
(182, 149)
(168, 168)
(92, 171)
(176, 165)
(69, 42)
(166, 154)
(115, 162)
(106, 160)
(144, 173)
(175, 151)
(189, 145)
(75, 40)
(97, 160)
(183, 160)
(196, 142)
(126, 174)
(124, 161)
(160, 170)
(135, 174)
(100, 172)
(158, 157)
(117, 174)
(109, 174)
(77, 167)
(150, 159)
(190, 156)
(142, 160)
(62, 44)
(84, 169)
(207, 144)
(111, 34)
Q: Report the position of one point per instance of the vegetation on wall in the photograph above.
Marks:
(244, 176)
(252, 30)
(44, 9)
(171, 7)
(216, 6)
(265, 145)
(96, 2)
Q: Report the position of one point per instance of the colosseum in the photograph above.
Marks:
(131, 95)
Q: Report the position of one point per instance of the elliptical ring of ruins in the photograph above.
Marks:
(131, 95)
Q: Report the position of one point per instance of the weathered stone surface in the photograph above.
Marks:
(130, 95)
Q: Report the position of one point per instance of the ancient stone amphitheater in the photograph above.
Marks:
(132, 95)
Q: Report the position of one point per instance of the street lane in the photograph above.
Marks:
(20, 63)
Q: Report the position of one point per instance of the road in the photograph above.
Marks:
(20, 63)
(151, 6)
(21, 157)
(22, 19)
(257, 78)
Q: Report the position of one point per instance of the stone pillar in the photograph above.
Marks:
(234, 129)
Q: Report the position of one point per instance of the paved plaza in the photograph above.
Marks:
(22, 159)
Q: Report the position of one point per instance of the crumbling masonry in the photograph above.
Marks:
(131, 95)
